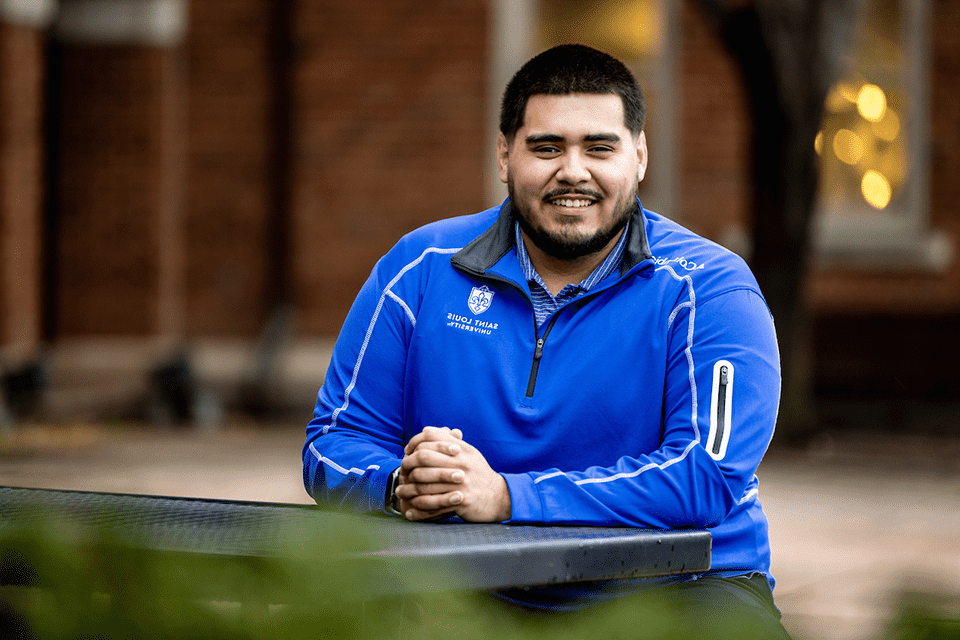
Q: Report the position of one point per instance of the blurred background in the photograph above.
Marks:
(192, 193)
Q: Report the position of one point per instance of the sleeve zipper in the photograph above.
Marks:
(721, 410)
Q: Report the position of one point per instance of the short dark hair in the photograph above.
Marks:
(571, 68)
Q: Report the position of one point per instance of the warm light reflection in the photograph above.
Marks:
(893, 165)
(632, 30)
(847, 146)
(888, 127)
(871, 102)
(632, 26)
(865, 139)
(876, 189)
(842, 97)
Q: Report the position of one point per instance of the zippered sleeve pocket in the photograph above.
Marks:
(721, 408)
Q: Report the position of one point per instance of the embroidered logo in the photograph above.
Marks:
(479, 300)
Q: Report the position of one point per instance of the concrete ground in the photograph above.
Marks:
(854, 521)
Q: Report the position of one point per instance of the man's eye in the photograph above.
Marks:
(601, 150)
(546, 150)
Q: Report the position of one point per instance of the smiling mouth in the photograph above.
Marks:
(572, 199)
(572, 203)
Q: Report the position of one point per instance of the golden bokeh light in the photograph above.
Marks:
(842, 97)
(893, 165)
(888, 127)
(635, 26)
(876, 189)
(871, 102)
(847, 146)
(818, 143)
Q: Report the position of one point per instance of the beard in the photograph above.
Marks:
(569, 243)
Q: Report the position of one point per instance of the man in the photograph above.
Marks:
(566, 358)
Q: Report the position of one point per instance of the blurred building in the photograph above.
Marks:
(175, 173)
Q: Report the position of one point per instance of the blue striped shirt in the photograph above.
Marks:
(545, 303)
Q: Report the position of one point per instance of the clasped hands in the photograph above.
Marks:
(442, 475)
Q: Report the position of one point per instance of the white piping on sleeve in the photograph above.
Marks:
(373, 321)
(337, 467)
(749, 495)
(692, 305)
(406, 309)
(634, 474)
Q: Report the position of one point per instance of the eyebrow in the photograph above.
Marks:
(535, 138)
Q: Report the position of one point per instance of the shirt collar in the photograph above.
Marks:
(603, 270)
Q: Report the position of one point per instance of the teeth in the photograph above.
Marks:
(573, 203)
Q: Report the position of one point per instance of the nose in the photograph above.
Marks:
(573, 168)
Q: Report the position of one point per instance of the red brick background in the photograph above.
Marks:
(169, 206)
(390, 123)
(227, 182)
(387, 120)
(713, 129)
(117, 198)
(21, 192)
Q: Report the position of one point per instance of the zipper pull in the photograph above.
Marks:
(539, 350)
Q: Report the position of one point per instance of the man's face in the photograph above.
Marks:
(572, 172)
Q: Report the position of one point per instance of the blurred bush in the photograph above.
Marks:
(925, 616)
(64, 581)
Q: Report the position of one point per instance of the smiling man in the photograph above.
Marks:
(572, 170)
(568, 357)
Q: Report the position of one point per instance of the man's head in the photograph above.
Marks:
(566, 69)
(572, 151)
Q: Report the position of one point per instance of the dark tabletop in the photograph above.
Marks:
(470, 556)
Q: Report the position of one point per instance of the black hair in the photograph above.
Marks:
(571, 68)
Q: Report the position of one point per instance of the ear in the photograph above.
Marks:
(641, 156)
(503, 157)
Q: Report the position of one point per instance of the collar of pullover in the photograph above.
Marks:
(489, 247)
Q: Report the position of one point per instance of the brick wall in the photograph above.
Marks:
(229, 145)
(945, 118)
(117, 191)
(21, 197)
(713, 131)
(390, 135)
(387, 108)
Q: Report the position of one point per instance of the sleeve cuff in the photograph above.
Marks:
(385, 486)
(525, 504)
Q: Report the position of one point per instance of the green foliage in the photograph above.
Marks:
(74, 582)
(925, 616)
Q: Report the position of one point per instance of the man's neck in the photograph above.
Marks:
(557, 273)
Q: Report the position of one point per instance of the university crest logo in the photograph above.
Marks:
(479, 300)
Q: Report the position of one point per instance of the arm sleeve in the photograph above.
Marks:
(355, 439)
(697, 475)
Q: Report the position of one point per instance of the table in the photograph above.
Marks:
(403, 556)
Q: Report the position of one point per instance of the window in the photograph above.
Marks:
(873, 190)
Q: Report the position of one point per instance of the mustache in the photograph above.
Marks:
(571, 191)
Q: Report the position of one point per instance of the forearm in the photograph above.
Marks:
(355, 439)
(346, 472)
(673, 488)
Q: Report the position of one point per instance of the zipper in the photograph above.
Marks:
(721, 410)
(538, 352)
